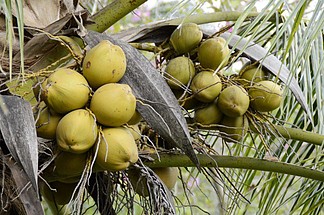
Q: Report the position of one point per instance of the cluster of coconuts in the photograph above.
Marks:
(216, 100)
(89, 111)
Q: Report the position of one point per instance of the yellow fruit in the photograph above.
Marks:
(117, 149)
(113, 104)
(251, 74)
(233, 101)
(186, 38)
(46, 123)
(209, 114)
(206, 86)
(77, 131)
(265, 96)
(167, 175)
(135, 131)
(212, 52)
(185, 100)
(61, 195)
(65, 90)
(179, 72)
(105, 63)
(233, 128)
(136, 118)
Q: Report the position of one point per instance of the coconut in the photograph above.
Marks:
(185, 100)
(167, 175)
(265, 96)
(209, 114)
(113, 104)
(251, 74)
(117, 149)
(206, 86)
(77, 131)
(179, 72)
(105, 63)
(60, 193)
(65, 90)
(136, 118)
(46, 123)
(135, 131)
(233, 128)
(212, 52)
(233, 101)
(186, 37)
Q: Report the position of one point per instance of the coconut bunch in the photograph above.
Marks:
(195, 74)
(89, 116)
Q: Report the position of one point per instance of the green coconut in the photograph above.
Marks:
(233, 101)
(186, 37)
(179, 72)
(77, 131)
(208, 115)
(117, 149)
(206, 86)
(185, 100)
(265, 96)
(46, 123)
(65, 90)
(212, 52)
(60, 193)
(233, 129)
(113, 104)
(105, 63)
(251, 74)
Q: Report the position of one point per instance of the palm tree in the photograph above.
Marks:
(277, 168)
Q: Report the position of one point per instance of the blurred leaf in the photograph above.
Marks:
(18, 130)
(157, 105)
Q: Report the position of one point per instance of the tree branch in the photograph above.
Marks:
(180, 160)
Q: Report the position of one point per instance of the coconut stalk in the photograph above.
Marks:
(113, 12)
(222, 161)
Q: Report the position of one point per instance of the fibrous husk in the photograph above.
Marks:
(212, 52)
(77, 131)
(179, 72)
(117, 149)
(265, 96)
(113, 104)
(233, 101)
(65, 90)
(206, 86)
(186, 38)
(105, 63)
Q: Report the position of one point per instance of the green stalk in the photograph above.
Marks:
(180, 160)
(113, 12)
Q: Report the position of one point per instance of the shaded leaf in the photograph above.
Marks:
(158, 105)
(18, 130)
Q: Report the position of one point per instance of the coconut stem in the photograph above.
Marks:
(180, 160)
(113, 12)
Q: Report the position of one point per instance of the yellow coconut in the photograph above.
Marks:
(206, 86)
(209, 114)
(77, 131)
(212, 52)
(65, 90)
(179, 72)
(60, 193)
(233, 128)
(186, 37)
(233, 101)
(117, 149)
(136, 118)
(113, 104)
(105, 63)
(135, 131)
(265, 96)
(167, 175)
(251, 74)
(46, 123)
